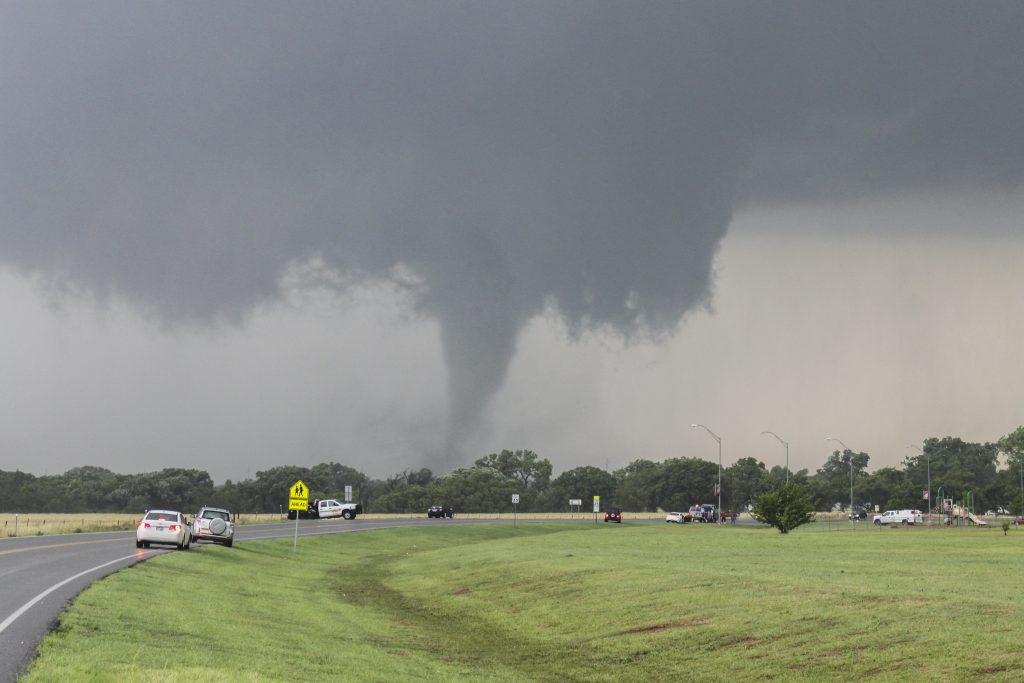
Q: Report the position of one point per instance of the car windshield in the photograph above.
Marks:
(215, 514)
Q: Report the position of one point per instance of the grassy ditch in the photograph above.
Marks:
(561, 602)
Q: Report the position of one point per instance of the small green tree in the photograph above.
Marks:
(785, 507)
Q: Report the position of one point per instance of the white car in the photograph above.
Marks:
(213, 524)
(676, 517)
(166, 527)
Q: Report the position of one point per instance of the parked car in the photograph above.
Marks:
(676, 517)
(213, 524)
(858, 513)
(899, 517)
(166, 527)
(440, 511)
(613, 515)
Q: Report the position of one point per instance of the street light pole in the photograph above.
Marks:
(928, 461)
(786, 444)
(847, 450)
(717, 438)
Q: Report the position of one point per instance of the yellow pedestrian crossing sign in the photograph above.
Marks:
(299, 491)
(298, 496)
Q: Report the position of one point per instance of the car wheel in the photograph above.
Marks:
(878, 522)
(904, 522)
(347, 514)
(228, 543)
(138, 544)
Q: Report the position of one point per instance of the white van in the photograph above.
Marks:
(899, 517)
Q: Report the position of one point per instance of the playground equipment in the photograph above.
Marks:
(959, 513)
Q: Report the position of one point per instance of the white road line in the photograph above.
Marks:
(28, 605)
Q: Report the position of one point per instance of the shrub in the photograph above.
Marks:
(784, 508)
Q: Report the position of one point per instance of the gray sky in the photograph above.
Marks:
(408, 234)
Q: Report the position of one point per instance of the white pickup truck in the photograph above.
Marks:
(332, 508)
(324, 509)
(899, 517)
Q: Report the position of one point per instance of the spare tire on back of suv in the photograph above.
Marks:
(218, 526)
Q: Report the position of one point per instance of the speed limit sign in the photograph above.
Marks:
(515, 499)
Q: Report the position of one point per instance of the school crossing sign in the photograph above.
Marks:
(298, 496)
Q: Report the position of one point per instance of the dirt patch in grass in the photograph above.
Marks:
(733, 641)
(988, 670)
(664, 626)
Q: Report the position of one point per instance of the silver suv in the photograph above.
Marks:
(213, 524)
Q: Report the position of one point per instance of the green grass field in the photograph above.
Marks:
(559, 602)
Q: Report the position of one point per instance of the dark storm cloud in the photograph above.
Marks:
(512, 154)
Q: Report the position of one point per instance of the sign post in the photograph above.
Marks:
(597, 507)
(298, 500)
(515, 508)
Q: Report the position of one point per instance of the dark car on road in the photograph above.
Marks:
(440, 511)
(613, 515)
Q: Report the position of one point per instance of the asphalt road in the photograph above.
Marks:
(40, 575)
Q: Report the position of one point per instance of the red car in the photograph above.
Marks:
(613, 515)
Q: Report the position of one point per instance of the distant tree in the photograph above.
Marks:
(329, 479)
(581, 482)
(17, 492)
(832, 480)
(887, 488)
(959, 467)
(686, 481)
(87, 489)
(525, 467)
(741, 482)
(269, 491)
(1012, 446)
(785, 508)
(777, 476)
(530, 473)
(408, 499)
(476, 490)
(636, 486)
(421, 477)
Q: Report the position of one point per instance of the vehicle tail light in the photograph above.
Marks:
(175, 527)
(146, 525)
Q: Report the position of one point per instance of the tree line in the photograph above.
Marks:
(989, 474)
